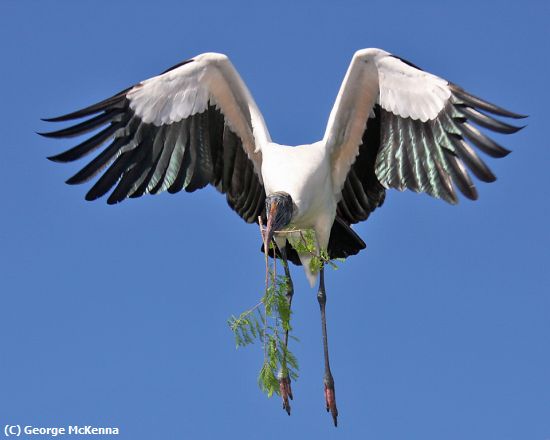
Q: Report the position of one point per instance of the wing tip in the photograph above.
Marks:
(73, 180)
(511, 129)
(115, 100)
(90, 196)
(520, 116)
(472, 195)
(50, 134)
(56, 158)
(54, 119)
(478, 102)
(63, 118)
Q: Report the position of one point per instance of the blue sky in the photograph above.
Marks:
(116, 315)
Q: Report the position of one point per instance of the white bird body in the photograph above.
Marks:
(303, 172)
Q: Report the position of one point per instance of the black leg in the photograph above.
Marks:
(330, 393)
(284, 378)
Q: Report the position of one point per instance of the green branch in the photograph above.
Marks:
(270, 318)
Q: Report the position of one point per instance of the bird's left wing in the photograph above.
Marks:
(194, 124)
(418, 136)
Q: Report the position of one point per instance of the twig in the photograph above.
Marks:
(266, 254)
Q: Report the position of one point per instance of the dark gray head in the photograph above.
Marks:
(279, 209)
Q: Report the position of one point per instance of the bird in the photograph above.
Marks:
(392, 126)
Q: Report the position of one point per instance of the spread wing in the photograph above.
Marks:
(396, 126)
(193, 125)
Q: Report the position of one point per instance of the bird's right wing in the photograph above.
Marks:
(396, 126)
(194, 124)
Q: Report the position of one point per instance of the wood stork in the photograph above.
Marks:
(393, 125)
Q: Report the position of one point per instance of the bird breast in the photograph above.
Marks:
(303, 172)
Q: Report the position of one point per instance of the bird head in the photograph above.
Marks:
(279, 209)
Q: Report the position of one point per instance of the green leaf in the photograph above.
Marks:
(270, 319)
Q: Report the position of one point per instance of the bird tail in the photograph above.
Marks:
(343, 243)
(311, 275)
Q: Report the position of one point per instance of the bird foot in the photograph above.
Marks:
(330, 400)
(286, 392)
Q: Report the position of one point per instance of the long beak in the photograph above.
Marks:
(269, 228)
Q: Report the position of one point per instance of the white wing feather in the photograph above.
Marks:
(187, 90)
(409, 92)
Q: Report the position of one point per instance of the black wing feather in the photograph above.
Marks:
(432, 156)
(475, 102)
(143, 158)
(487, 121)
(439, 151)
(363, 189)
(110, 177)
(481, 141)
(115, 101)
(88, 145)
(86, 126)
